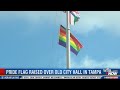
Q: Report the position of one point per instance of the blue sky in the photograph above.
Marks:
(29, 39)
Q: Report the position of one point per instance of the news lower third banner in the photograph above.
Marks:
(106, 71)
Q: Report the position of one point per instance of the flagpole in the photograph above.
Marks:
(68, 40)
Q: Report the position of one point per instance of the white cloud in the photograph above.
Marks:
(108, 21)
(88, 62)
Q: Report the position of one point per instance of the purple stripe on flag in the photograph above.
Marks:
(62, 43)
(71, 48)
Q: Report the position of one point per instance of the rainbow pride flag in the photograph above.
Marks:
(75, 45)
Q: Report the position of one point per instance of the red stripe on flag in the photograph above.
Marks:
(2, 71)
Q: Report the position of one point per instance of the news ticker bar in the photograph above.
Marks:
(106, 71)
(59, 77)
